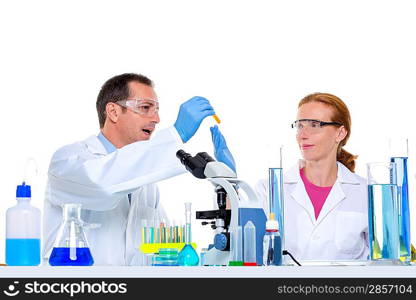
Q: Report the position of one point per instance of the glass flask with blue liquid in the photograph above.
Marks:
(188, 256)
(23, 230)
(71, 246)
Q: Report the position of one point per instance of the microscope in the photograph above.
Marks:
(243, 209)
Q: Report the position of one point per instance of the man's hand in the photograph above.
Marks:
(191, 113)
(221, 151)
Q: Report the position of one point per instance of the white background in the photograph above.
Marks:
(254, 60)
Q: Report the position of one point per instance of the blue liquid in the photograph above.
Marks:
(61, 257)
(276, 196)
(23, 252)
(188, 256)
(383, 216)
(404, 214)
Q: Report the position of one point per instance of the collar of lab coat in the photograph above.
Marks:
(95, 146)
(336, 195)
(343, 176)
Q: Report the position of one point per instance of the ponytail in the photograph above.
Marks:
(347, 159)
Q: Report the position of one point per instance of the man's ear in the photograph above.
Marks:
(112, 111)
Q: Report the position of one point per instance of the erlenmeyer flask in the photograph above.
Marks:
(188, 255)
(71, 246)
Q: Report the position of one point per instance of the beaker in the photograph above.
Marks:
(71, 246)
(383, 212)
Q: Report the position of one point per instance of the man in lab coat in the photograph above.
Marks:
(114, 174)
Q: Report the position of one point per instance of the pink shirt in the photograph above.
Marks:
(317, 194)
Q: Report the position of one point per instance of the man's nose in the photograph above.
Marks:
(155, 118)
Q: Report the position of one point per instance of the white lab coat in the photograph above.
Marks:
(341, 230)
(85, 173)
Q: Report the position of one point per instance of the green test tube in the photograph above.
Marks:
(144, 232)
(151, 235)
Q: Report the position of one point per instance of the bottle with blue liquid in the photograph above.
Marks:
(71, 247)
(272, 243)
(23, 230)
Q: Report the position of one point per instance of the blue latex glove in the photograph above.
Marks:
(191, 114)
(221, 151)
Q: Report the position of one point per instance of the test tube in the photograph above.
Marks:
(181, 231)
(250, 244)
(157, 231)
(176, 232)
(276, 203)
(187, 230)
(151, 235)
(162, 232)
(236, 246)
(144, 232)
(168, 235)
(216, 119)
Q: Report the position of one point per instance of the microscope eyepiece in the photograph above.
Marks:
(195, 164)
(182, 155)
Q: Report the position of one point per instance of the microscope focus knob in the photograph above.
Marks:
(222, 241)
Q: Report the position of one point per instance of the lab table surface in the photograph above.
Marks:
(307, 271)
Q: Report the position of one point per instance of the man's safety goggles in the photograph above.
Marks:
(144, 107)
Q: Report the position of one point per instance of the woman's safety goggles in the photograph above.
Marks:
(311, 125)
(144, 107)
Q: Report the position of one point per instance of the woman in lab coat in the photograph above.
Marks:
(325, 202)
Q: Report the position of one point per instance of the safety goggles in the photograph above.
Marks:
(144, 107)
(311, 125)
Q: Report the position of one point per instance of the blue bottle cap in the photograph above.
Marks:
(23, 191)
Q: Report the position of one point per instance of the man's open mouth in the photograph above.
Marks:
(147, 131)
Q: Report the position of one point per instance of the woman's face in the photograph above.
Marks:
(318, 142)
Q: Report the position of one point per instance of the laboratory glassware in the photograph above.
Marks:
(272, 243)
(188, 256)
(383, 212)
(276, 196)
(71, 246)
(399, 155)
(166, 257)
(276, 205)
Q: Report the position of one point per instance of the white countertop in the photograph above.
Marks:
(207, 272)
